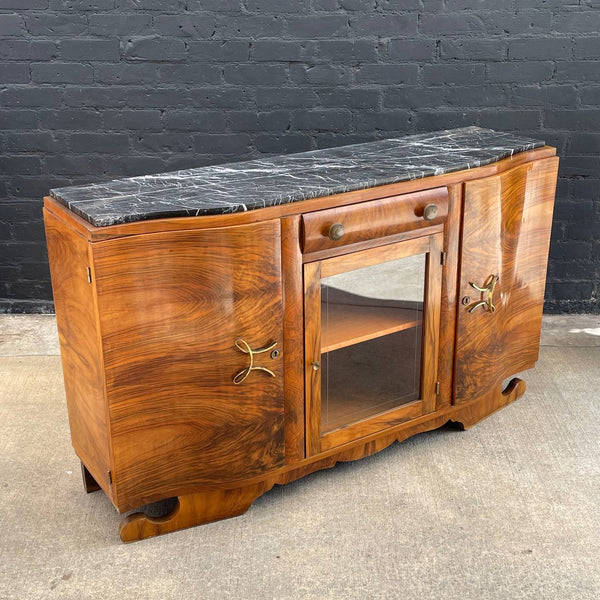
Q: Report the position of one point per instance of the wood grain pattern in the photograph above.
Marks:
(76, 318)
(448, 298)
(275, 212)
(171, 307)
(374, 219)
(506, 232)
(293, 342)
(205, 506)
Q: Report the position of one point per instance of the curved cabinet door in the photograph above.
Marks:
(179, 312)
(506, 232)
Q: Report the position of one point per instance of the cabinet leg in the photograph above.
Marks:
(192, 510)
(89, 483)
(474, 412)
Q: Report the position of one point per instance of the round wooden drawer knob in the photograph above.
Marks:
(336, 232)
(430, 212)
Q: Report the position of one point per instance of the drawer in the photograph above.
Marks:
(334, 227)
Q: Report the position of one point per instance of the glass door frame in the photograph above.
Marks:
(314, 272)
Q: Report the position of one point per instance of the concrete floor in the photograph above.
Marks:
(507, 510)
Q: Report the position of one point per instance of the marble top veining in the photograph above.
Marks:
(253, 184)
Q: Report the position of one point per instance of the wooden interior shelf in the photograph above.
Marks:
(350, 319)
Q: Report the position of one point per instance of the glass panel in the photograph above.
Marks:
(371, 330)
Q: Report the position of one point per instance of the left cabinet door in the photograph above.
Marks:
(179, 313)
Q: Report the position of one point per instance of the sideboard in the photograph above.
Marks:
(228, 328)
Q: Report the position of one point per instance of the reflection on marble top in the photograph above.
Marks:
(248, 185)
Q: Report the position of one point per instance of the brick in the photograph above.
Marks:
(516, 23)
(317, 26)
(132, 119)
(545, 95)
(69, 24)
(578, 71)
(234, 143)
(255, 74)
(540, 48)
(155, 97)
(95, 97)
(411, 97)
(110, 143)
(383, 25)
(68, 164)
(126, 73)
(443, 119)
(219, 97)
(590, 94)
(350, 98)
(276, 120)
(320, 74)
(61, 73)
(82, 4)
(159, 5)
(233, 6)
(276, 6)
(390, 120)
(530, 72)
(322, 120)
(24, 4)
(577, 22)
(185, 25)
(387, 74)
(70, 119)
(574, 120)
(124, 25)
(90, 50)
(187, 120)
(182, 73)
(30, 142)
(450, 24)
(510, 120)
(580, 166)
(163, 142)
(11, 25)
(478, 95)
(30, 97)
(14, 72)
(280, 51)
(219, 51)
(155, 48)
(585, 143)
(17, 49)
(285, 97)
(332, 5)
(135, 165)
(588, 47)
(283, 143)
(406, 50)
(452, 74)
(474, 49)
(18, 119)
(453, 5)
(24, 165)
(347, 50)
(250, 27)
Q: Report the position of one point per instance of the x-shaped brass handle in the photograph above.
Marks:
(244, 347)
(488, 290)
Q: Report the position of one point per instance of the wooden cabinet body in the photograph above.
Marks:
(193, 348)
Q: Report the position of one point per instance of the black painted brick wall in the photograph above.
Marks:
(97, 89)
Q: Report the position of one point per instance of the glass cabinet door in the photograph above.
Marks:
(372, 321)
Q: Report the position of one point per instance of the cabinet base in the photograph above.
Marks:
(206, 506)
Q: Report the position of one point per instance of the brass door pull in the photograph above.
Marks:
(244, 347)
(488, 301)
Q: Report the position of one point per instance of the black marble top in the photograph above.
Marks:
(248, 185)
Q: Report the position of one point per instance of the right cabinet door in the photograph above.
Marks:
(507, 220)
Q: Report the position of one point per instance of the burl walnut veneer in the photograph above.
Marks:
(212, 356)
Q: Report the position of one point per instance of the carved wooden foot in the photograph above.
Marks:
(89, 483)
(192, 510)
(472, 413)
